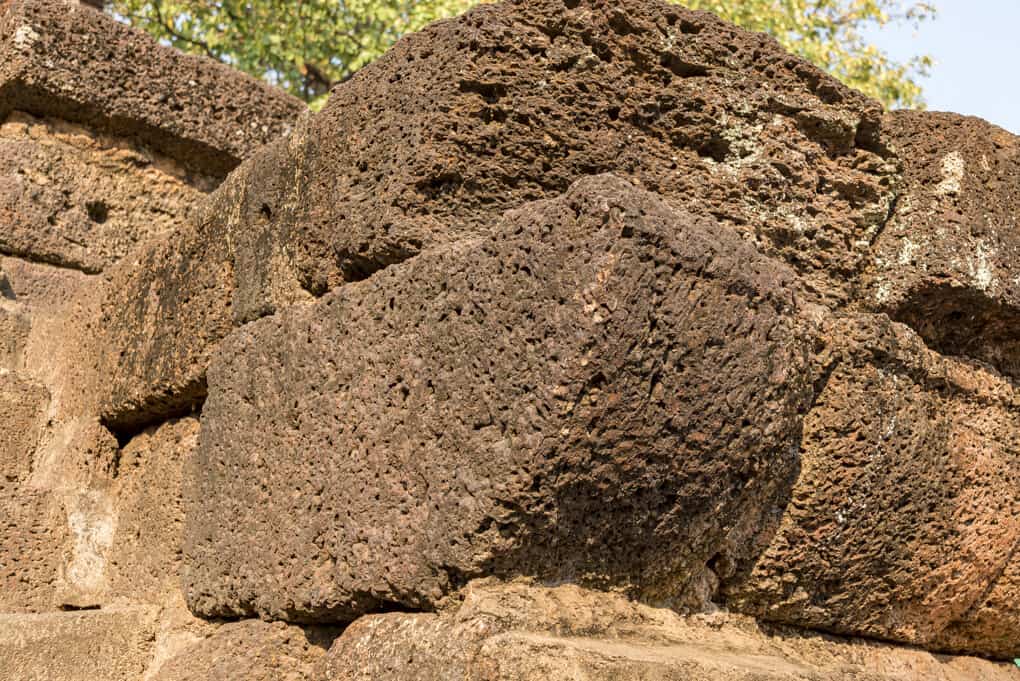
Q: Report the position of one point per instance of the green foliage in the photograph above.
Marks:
(831, 34)
(306, 46)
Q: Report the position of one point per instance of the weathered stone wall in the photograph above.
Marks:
(606, 295)
(108, 142)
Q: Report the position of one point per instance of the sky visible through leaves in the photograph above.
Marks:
(307, 46)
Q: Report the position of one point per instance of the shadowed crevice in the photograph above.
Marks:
(963, 322)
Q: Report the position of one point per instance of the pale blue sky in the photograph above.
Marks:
(977, 46)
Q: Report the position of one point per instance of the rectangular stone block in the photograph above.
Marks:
(600, 391)
(905, 519)
(112, 645)
(68, 61)
(80, 199)
(145, 554)
(946, 262)
(33, 537)
(521, 632)
(125, 524)
(23, 409)
(252, 650)
(43, 290)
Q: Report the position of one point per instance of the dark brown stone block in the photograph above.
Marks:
(605, 390)
(68, 61)
(508, 104)
(948, 263)
(905, 518)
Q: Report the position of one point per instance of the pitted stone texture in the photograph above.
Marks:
(160, 320)
(605, 390)
(15, 325)
(513, 102)
(67, 61)
(23, 407)
(112, 645)
(508, 104)
(177, 631)
(42, 290)
(253, 651)
(145, 555)
(948, 264)
(518, 632)
(33, 536)
(83, 200)
(906, 514)
(126, 522)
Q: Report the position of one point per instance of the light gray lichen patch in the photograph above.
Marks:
(24, 38)
(953, 169)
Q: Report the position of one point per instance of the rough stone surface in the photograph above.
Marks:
(254, 651)
(33, 535)
(601, 391)
(67, 61)
(177, 631)
(15, 325)
(948, 263)
(76, 646)
(124, 518)
(78, 199)
(906, 513)
(42, 290)
(525, 633)
(508, 104)
(683, 382)
(23, 406)
(145, 555)
(513, 102)
(165, 337)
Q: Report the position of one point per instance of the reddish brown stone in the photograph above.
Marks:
(948, 263)
(67, 61)
(906, 514)
(145, 554)
(78, 199)
(601, 391)
(508, 104)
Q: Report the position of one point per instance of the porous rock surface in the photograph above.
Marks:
(555, 399)
(145, 553)
(65, 60)
(111, 645)
(254, 651)
(275, 384)
(948, 263)
(33, 536)
(107, 141)
(508, 104)
(905, 514)
(80, 200)
(524, 632)
(765, 366)
(23, 406)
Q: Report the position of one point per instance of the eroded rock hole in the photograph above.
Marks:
(963, 322)
(98, 211)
